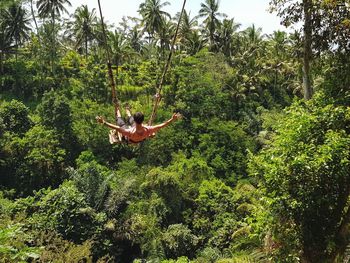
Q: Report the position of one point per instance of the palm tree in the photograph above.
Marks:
(194, 43)
(120, 47)
(153, 18)
(5, 42)
(165, 36)
(187, 26)
(34, 18)
(17, 24)
(46, 45)
(135, 39)
(278, 42)
(250, 40)
(52, 9)
(249, 63)
(281, 67)
(253, 35)
(83, 27)
(226, 36)
(209, 10)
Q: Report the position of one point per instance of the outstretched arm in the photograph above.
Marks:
(164, 124)
(101, 120)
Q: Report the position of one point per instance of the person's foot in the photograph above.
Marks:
(127, 109)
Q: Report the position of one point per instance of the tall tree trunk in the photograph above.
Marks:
(16, 51)
(117, 74)
(342, 235)
(307, 56)
(1, 62)
(34, 19)
(53, 51)
(39, 39)
(86, 46)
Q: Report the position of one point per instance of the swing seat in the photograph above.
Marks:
(115, 137)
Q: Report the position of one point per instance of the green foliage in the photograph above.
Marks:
(179, 260)
(36, 160)
(190, 172)
(238, 179)
(95, 83)
(14, 115)
(159, 150)
(71, 64)
(91, 179)
(60, 250)
(178, 240)
(336, 80)
(215, 213)
(165, 186)
(199, 82)
(2, 127)
(224, 146)
(209, 255)
(124, 186)
(13, 244)
(89, 134)
(305, 172)
(325, 16)
(55, 113)
(66, 211)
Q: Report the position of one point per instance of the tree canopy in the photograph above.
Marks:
(257, 170)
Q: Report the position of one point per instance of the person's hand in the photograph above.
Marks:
(100, 119)
(176, 116)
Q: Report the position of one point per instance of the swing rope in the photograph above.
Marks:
(115, 100)
(159, 89)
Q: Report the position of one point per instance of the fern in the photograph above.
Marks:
(256, 256)
(346, 256)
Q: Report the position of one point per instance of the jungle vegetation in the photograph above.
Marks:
(257, 170)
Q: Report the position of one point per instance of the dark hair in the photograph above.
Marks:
(139, 117)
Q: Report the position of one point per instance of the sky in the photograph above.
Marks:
(245, 12)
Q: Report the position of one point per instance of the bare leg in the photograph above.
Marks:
(112, 137)
(117, 110)
(127, 110)
(118, 113)
(130, 117)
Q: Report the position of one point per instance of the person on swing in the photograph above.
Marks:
(135, 131)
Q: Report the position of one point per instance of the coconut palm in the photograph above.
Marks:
(194, 43)
(5, 42)
(34, 18)
(52, 9)
(253, 36)
(187, 26)
(165, 36)
(135, 39)
(120, 47)
(83, 27)
(279, 43)
(153, 18)
(209, 11)
(17, 24)
(226, 35)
